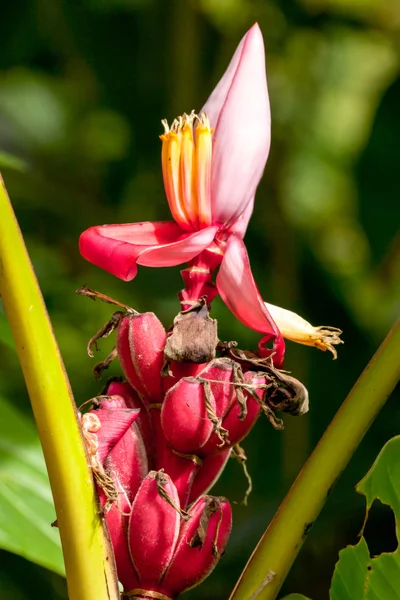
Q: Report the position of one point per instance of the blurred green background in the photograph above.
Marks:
(83, 86)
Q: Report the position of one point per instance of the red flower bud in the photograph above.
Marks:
(154, 528)
(140, 345)
(184, 417)
(194, 410)
(221, 374)
(237, 426)
(201, 543)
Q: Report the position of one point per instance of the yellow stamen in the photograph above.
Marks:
(188, 157)
(295, 328)
(186, 165)
(203, 169)
(171, 153)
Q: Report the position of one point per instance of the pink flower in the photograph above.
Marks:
(212, 163)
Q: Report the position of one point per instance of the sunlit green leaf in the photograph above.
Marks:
(348, 582)
(383, 482)
(383, 479)
(26, 505)
(357, 576)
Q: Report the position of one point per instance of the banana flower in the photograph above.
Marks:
(212, 163)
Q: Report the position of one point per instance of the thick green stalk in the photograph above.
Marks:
(88, 560)
(271, 560)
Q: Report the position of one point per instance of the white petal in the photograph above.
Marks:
(295, 328)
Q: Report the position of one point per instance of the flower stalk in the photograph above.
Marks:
(88, 558)
(274, 555)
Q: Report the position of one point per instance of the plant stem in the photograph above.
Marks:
(88, 560)
(286, 533)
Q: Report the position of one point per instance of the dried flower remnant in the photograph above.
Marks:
(194, 335)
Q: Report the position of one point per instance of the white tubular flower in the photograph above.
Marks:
(295, 328)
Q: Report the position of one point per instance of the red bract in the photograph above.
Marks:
(212, 163)
(119, 464)
(109, 425)
(132, 400)
(127, 460)
(140, 345)
(154, 528)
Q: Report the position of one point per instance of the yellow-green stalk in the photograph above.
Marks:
(88, 559)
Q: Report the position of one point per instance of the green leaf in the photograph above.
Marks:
(348, 582)
(295, 597)
(383, 479)
(357, 576)
(26, 504)
(383, 482)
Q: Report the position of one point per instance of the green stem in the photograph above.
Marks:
(271, 560)
(88, 561)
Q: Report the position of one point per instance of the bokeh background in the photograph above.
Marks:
(83, 86)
